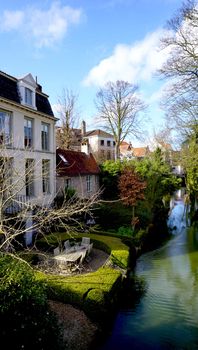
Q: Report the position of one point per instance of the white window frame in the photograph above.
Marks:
(45, 136)
(89, 183)
(28, 96)
(46, 176)
(28, 131)
(29, 177)
(5, 127)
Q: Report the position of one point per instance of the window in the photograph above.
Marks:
(108, 155)
(6, 173)
(45, 136)
(88, 181)
(46, 175)
(5, 127)
(28, 133)
(67, 183)
(114, 143)
(101, 142)
(108, 143)
(29, 177)
(28, 97)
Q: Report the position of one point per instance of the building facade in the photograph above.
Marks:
(100, 143)
(78, 171)
(27, 138)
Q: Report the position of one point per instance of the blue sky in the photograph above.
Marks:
(81, 44)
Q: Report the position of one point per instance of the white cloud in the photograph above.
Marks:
(11, 20)
(46, 27)
(136, 62)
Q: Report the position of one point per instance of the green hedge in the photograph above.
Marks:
(93, 292)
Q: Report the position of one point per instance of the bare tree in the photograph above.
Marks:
(181, 69)
(20, 214)
(119, 109)
(69, 118)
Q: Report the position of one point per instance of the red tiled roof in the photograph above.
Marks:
(72, 163)
(140, 151)
(125, 146)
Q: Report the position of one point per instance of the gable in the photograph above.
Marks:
(29, 80)
(99, 133)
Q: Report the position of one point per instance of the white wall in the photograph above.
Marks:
(20, 154)
(80, 185)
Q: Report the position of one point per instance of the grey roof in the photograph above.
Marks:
(98, 132)
(9, 90)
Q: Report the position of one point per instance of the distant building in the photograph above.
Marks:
(100, 143)
(127, 151)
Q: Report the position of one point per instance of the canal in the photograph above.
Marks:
(166, 314)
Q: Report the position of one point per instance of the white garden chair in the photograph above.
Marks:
(56, 251)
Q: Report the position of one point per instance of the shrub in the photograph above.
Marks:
(95, 304)
(25, 318)
(125, 231)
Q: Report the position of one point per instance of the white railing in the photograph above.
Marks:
(17, 204)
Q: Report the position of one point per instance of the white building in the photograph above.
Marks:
(27, 138)
(98, 142)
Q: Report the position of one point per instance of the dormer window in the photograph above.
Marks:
(28, 96)
(27, 87)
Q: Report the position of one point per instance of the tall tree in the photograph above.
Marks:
(69, 118)
(181, 69)
(119, 108)
(159, 178)
(190, 164)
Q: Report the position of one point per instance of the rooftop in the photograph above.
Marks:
(72, 163)
(9, 91)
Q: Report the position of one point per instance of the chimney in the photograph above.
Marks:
(83, 128)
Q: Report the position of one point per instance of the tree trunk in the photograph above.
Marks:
(117, 151)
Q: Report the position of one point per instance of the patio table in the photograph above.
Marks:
(69, 258)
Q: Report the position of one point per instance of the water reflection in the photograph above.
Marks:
(166, 316)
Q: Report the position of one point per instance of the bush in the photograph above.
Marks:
(95, 304)
(25, 318)
(125, 231)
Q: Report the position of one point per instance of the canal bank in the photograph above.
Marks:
(165, 313)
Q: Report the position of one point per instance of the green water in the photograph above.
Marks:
(166, 315)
